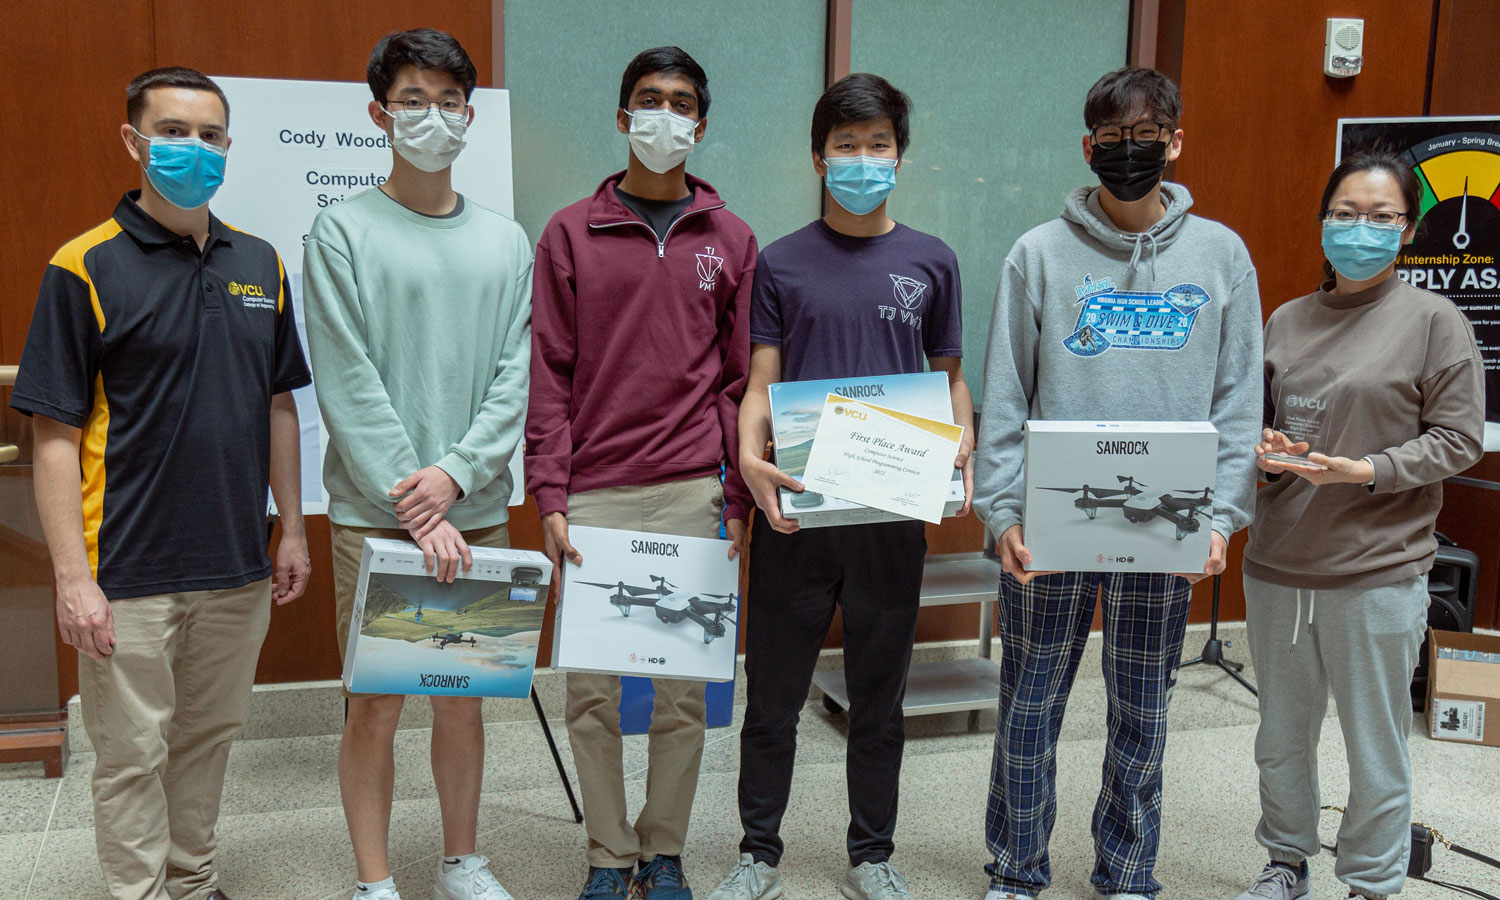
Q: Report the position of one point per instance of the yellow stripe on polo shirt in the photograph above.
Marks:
(96, 429)
(70, 257)
(91, 460)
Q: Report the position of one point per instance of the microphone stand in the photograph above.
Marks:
(1213, 649)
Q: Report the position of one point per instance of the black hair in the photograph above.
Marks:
(1126, 93)
(423, 48)
(861, 97)
(1375, 161)
(665, 59)
(170, 76)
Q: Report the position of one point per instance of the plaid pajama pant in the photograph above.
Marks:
(1044, 627)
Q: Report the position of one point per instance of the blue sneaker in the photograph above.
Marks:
(606, 884)
(661, 879)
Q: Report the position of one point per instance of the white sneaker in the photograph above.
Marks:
(383, 894)
(470, 880)
(749, 880)
(998, 894)
(874, 881)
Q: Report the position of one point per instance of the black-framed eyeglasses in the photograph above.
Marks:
(1380, 218)
(417, 107)
(1141, 134)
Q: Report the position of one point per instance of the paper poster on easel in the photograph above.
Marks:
(301, 146)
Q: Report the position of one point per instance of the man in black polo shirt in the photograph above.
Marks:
(158, 368)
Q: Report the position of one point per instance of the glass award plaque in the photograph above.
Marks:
(1304, 408)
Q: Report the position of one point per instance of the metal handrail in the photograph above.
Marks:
(8, 452)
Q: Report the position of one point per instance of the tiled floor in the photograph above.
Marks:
(283, 836)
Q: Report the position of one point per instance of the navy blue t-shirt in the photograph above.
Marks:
(849, 307)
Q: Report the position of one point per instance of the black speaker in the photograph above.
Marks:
(1453, 585)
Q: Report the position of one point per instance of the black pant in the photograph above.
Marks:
(874, 572)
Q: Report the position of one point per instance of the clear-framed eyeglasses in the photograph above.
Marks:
(416, 108)
(1380, 218)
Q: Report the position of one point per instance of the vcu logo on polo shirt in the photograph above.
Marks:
(252, 295)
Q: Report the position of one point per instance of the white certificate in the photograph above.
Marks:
(883, 458)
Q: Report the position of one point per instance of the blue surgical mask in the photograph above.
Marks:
(1360, 251)
(186, 171)
(860, 183)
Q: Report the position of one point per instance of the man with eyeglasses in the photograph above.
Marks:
(1131, 239)
(419, 325)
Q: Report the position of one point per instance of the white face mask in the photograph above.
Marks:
(660, 138)
(432, 142)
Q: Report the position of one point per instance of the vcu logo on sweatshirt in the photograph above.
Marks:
(1134, 320)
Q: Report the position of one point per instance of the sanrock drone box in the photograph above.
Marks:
(659, 605)
(797, 407)
(473, 637)
(1119, 496)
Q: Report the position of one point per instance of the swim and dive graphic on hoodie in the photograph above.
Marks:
(1133, 320)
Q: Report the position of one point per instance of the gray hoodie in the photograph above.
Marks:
(1094, 324)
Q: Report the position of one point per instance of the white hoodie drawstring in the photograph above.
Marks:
(1135, 258)
(1312, 604)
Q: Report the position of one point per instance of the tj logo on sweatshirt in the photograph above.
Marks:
(908, 292)
(708, 268)
(1133, 320)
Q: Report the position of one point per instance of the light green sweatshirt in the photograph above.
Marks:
(419, 329)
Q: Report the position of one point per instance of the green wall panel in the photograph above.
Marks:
(997, 91)
(563, 61)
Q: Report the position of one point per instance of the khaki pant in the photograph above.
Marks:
(692, 508)
(161, 712)
(349, 546)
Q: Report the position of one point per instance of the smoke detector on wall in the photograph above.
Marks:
(1344, 48)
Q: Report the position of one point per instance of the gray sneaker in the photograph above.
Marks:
(874, 881)
(1277, 882)
(750, 880)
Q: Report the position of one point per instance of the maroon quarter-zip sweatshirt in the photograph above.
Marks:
(640, 348)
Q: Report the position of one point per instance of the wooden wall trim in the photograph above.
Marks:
(1171, 31)
(497, 43)
(836, 64)
(1140, 47)
(1464, 71)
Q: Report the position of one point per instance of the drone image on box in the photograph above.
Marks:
(453, 637)
(1139, 507)
(672, 605)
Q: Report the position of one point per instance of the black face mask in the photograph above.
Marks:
(1129, 171)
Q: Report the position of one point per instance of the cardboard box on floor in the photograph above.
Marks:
(1463, 681)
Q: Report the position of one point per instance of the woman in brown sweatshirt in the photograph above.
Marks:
(1384, 383)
